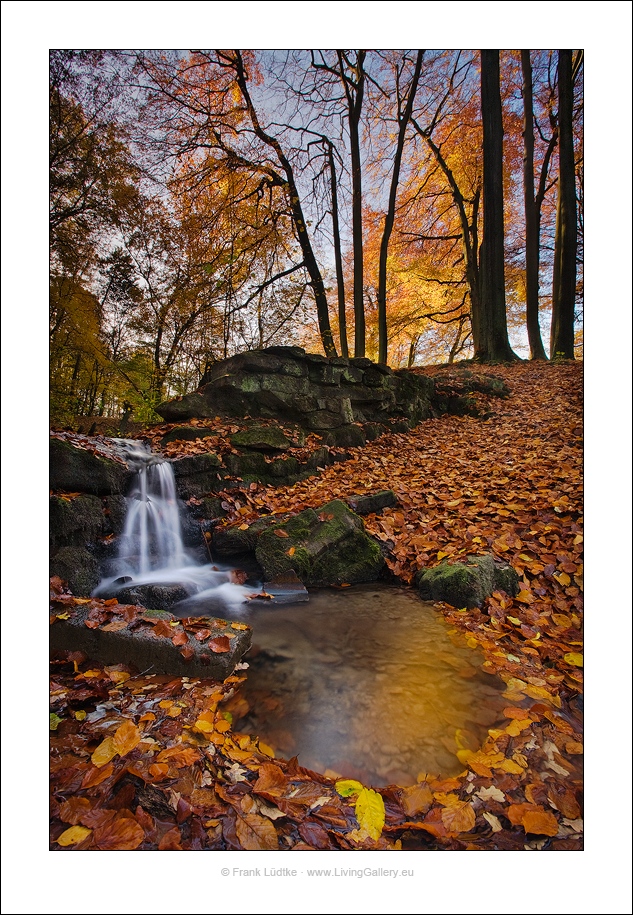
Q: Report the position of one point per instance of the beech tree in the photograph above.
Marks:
(564, 279)
(490, 330)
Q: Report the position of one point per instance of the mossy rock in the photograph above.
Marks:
(466, 584)
(324, 548)
(261, 438)
(78, 567)
(231, 541)
(346, 437)
(77, 470)
(75, 522)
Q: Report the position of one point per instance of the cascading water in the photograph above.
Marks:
(151, 550)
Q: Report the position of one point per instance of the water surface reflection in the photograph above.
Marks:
(368, 683)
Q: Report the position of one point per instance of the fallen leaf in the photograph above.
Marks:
(73, 836)
(256, 833)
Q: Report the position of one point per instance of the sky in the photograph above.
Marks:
(592, 882)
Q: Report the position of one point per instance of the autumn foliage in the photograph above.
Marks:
(148, 762)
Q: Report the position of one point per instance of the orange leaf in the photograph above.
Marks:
(158, 770)
(279, 532)
(127, 737)
(540, 822)
(96, 776)
(219, 644)
(179, 756)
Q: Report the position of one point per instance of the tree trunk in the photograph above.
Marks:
(490, 329)
(564, 280)
(391, 214)
(532, 241)
(357, 210)
(338, 258)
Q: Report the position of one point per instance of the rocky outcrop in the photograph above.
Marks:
(318, 393)
(469, 583)
(75, 469)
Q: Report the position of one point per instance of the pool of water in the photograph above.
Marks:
(366, 683)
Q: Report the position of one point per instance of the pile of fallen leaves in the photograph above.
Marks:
(510, 485)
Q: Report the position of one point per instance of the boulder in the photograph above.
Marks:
(78, 567)
(74, 469)
(261, 438)
(147, 652)
(469, 583)
(327, 548)
(198, 474)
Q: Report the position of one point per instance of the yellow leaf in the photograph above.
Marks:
(574, 658)
(562, 578)
(370, 812)
(441, 554)
(104, 753)
(63, 616)
(515, 728)
(514, 620)
(508, 765)
(243, 527)
(73, 836)
(80, 715)
(266, 750)
(348, 786)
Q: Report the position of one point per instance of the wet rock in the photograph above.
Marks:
(467, 584)
(147, 652)
(75, 522)
(345, 437)
(78, 567)
(155, 597)
(261, 438)
(376, 502)
(77, 470)
(330, 547)
(198, 474)
(231, 541)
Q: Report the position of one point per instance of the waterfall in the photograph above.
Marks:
(151, 550)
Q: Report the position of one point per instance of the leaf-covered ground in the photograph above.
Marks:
(152, 763)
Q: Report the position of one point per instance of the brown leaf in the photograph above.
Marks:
(256, 833)
(417, 799)
(280, 532)
(459, 817)
(121, 834)
(73, 809)
(271, 780)
(171, 841)
(180, 638)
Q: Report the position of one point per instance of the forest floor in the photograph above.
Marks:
(150, 762)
